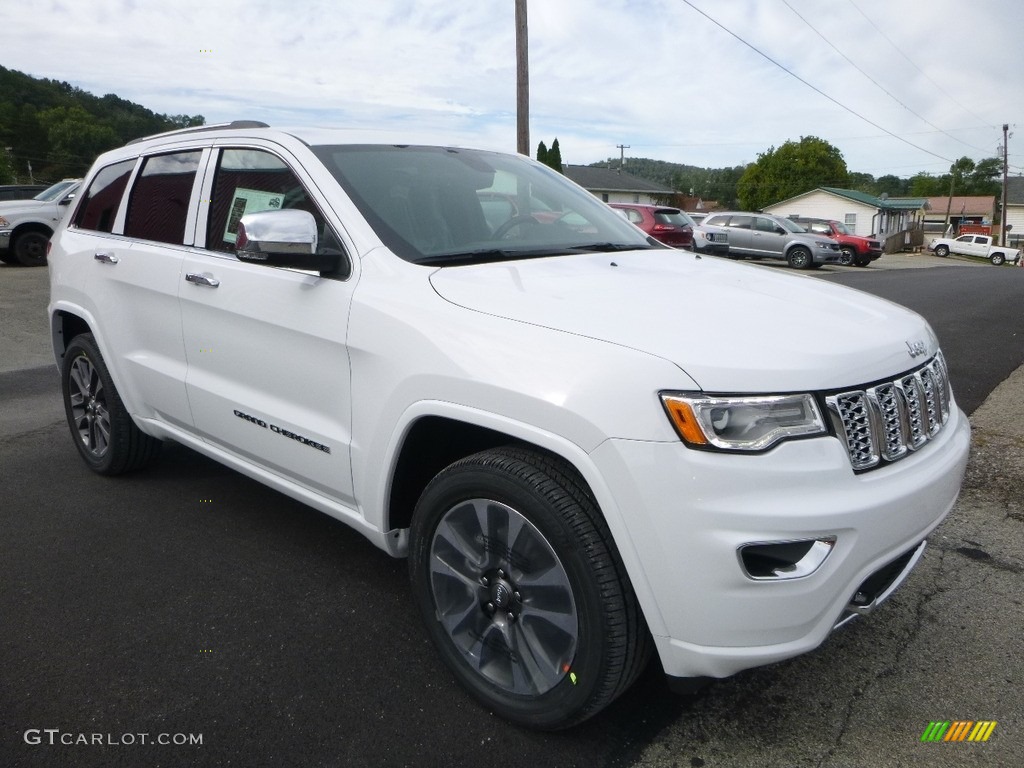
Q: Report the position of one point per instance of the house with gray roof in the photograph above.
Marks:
(614, 186)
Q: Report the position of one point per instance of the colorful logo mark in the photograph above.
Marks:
(958, 730)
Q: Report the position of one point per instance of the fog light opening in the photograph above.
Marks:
(783, 560)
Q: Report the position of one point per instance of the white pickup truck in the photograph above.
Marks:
(26, 225)
(975, 245)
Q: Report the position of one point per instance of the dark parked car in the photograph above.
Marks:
(20, 191)
(668, 225)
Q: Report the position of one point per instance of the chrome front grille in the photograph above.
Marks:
(884, 422)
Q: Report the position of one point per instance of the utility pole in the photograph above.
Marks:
(1002, 204)
(522, 81)
(622, 155)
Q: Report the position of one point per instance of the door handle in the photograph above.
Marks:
(204, 278)
(106, 258)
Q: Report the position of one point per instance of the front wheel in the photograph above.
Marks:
(30, 248)
(862, 261)
(942, 250)
(800, 258)
(997, 258)
(523, 593)
(847, 256)
(103, 430)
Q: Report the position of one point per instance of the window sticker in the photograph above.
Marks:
(249, 201)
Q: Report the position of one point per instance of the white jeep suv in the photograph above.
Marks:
(580, 470)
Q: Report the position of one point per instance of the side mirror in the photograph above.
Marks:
(67, 200)
(282, 239)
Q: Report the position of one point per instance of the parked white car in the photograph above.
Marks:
(26, 225)
(975, 245)
(589, 450)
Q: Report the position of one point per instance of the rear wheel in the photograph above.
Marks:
(103, 430)
(29, 248)
(997, 259)
(799, 258)
(519, 583)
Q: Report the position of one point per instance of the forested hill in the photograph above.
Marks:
(59, 129)
(707, 183)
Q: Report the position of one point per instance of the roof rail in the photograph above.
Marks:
(201, 128)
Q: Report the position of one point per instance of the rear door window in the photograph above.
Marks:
(158, 207)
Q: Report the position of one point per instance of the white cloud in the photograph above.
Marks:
(658, 75)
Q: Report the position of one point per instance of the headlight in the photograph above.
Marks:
(825, 244)
(4, 222)
(742, 423)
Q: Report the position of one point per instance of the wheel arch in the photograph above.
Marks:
(30, 226)
(65, 324)
(453, 432)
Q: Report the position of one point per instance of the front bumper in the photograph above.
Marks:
(688, 513)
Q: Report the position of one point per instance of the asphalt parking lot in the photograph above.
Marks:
(288, 640)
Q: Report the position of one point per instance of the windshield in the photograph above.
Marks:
(436, 205)
(673, 217)
(55, 192)
(841, 228)
(791, 225)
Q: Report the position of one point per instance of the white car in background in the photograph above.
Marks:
(26, 225)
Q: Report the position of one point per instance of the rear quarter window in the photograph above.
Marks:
(98, 206)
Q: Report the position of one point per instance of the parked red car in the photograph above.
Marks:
(668, 225)
(857, 251)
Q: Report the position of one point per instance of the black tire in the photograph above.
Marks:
(799, 258)
(101, 427)
(997, 258)
(847, 256)
(586, 641)
(942, 250)
(29, 248)
(862, 261)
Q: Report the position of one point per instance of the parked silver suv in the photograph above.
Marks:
(760, 235)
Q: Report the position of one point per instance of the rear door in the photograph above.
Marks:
(768, 238)
(268, 370)
(136, 244)
(739, 235)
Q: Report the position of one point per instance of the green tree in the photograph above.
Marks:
(554, 158)
(76, 138)
(6, 170)
(792, 169)
(550, 157)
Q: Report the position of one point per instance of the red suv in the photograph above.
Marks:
(857, 251)
(667, 225)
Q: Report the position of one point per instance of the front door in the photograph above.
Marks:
(268, 370)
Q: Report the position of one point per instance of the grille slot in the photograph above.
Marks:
(887, 421)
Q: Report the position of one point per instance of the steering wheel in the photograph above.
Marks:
(515, 221)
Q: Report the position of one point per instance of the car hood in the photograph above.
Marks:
(730, 327)
(18, 207)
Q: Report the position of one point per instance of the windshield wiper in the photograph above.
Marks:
(492, 254)
(611, 247)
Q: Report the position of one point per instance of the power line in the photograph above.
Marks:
(901, 53)
(881, 87)
(814, 88)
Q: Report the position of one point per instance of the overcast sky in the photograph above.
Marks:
(899, 86)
